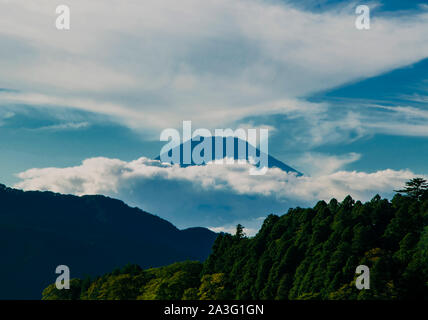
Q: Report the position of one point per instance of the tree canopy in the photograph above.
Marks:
(307, 253)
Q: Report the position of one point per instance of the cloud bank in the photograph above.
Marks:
(212, 195)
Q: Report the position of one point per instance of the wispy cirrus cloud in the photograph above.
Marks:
(64, 126)
(152, 64)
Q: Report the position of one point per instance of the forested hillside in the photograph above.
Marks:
(304, 254)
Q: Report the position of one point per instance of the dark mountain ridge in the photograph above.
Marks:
(89, 234)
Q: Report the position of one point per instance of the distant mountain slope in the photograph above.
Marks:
(90, 234)
(250, 149)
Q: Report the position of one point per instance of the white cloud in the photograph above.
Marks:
(397, 120)
(331, 125)
(232, 230)
(155, 63)
(4, 115)
(251, 226)
(195, 190)
(319, 164)
(64, 126)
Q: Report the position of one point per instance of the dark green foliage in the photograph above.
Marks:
(240, 231)
(313, 253)
(74, 293)
(304, 254)
(415, 188)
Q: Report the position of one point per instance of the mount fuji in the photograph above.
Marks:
(227, 152)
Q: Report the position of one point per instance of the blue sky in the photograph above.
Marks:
(383, 7)
(81, 111)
